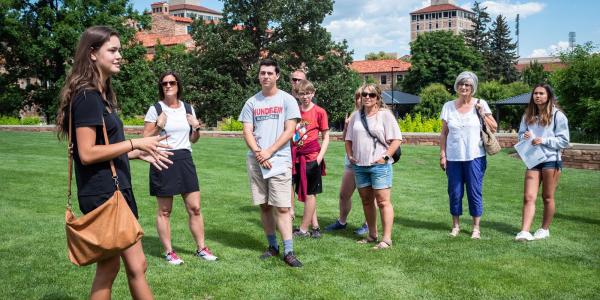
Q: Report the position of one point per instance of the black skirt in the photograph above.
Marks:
(179, 178)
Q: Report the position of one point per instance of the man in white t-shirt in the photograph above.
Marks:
(269, 119)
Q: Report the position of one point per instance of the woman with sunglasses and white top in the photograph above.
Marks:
(462, 155)
(182, 128)
(371, 159)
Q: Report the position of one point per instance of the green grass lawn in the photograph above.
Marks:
(423, 263)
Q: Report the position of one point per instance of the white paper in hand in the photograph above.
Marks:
(279, 165)
(532, 155)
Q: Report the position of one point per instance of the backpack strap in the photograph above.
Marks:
(158, 109)
(187, 106)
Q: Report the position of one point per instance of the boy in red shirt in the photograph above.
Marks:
(308, 155)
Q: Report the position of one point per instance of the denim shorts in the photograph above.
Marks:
(548, 165)
(377, 176)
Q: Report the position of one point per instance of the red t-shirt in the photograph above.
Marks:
(313, 121)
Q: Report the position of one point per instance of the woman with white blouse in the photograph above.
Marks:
(462, 155)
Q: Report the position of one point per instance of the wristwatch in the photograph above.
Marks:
(386, 157)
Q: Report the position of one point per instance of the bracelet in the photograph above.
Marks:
(130, 142)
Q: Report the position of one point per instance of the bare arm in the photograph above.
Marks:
(443, 137)
(90, 153)
(349, 153)
(324, 145)
(490, 122)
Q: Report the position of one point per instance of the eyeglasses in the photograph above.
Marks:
(300, 95)
(371, 95)
(465, 84)
(296, 79)
(169, 83)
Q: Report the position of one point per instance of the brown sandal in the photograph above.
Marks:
(383, 245)
(367, 240)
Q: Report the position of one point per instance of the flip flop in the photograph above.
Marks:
(383, 245)
(367, 240)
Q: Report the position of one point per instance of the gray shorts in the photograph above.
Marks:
(275, 191)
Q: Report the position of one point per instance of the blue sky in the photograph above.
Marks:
(383, 25)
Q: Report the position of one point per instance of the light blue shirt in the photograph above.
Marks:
(554, 138)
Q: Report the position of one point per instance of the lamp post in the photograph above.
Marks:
(393, 85)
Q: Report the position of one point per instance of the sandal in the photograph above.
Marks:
(476, 234)
(454, 232)
(367, 240)
(383, 245)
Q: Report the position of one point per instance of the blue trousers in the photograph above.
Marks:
(469, 174)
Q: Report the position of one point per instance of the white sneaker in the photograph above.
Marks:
(206, 254)
(173, 259)
(541, 234)
(524, 236)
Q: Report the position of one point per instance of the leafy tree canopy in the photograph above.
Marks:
(379, 56)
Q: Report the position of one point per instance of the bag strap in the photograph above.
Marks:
(480, 117)
(187, 106)
(70, 154)
(363, 119)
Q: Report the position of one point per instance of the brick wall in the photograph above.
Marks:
(580, 156)
(162, 24)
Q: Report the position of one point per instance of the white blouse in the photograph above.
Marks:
(464, 141)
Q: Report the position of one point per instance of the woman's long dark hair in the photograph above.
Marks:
(84, 74)
(543, 116)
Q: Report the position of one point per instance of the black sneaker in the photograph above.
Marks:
(271, 251)
(298, 233)
(316, 233)
(291, 260)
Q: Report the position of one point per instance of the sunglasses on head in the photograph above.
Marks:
(371, 95)
(296, 79)
(169, 83)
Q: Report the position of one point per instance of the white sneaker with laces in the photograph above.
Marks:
(206, 254)
(173, 259)
(541, 234)
(524, 236)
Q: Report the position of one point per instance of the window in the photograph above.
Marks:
(417, 26)
(429, 26)
(454, 14)
(427, 16)
(399, 77)
(414, 17)
(439, 15)
(449, 23)
(383, 79)
(445, 14)
(437, 25)
(421, 17)
(189, 29)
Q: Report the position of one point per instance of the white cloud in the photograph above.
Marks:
(510, 9)
(373, 25)
(551, 50)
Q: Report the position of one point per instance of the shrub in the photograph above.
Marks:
(230, 124)
(133, 121)
(420, 124)
(5, 120)
(433, 98)
(30, 121)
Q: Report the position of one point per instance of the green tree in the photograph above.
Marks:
(38, 40)
(439, 56)
(534, 73)
(379, 56)
(493, 91)
(502, 57)
(288, 31)
(578, 89)
(433, 98)
(478, 37)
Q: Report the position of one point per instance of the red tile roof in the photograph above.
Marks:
(181, 19)
(158, 3)
(193, 7)
(379, 66)
(441, 7)
(151, 39)
(548, 67)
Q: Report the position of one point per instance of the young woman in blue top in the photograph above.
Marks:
(547, 127)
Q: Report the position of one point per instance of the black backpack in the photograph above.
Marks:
(188, 110)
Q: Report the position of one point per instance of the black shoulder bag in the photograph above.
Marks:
(396, 155)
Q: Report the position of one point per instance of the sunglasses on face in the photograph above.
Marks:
(296, 79)
(371, 95)
(169, 83)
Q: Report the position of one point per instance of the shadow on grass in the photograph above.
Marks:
(153, 247)
(501, 227)
(236, 239)
(421, 224)
(577, 219)
(57, 296)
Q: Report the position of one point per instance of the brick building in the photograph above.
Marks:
(382, 71)
(440, 15)
(172, 23)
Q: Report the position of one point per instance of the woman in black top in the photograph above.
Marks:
(88, 87)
